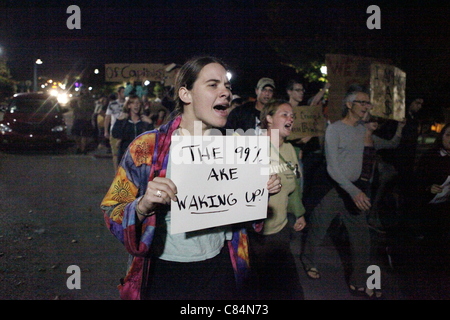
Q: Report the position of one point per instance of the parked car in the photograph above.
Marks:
(33, 120)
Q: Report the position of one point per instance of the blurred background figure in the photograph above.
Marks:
(160, 117)
(83, 109)
(433, 171)
(236, 101)
(112, 112)
(98, 121)
(131, 123)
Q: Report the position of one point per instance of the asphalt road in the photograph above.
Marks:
(50, 219)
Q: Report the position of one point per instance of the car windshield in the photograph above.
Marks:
(33, 106)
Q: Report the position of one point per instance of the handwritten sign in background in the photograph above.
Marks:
(221, 180)
(387, 91)
(128, 72)
(345, 70)
(308, 121)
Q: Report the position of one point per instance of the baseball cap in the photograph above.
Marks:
(265, 82)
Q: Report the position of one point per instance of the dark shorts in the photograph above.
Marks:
(82, 128)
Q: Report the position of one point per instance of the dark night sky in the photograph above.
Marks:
(414, 34)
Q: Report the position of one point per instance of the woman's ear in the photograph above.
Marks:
(185, 95)
(269, 120)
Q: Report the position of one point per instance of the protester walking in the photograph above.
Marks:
(432, 189)
(112, 112)
(344, 149)
(376, 190)
(310, 149)
(270, 250)
(131, 123)
(83, 130)
(189, 266)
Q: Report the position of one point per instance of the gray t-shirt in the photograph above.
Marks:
(344, 148)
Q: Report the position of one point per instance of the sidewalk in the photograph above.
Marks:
(333, 264)
(101, 153)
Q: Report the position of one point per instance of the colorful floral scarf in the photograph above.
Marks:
(135, 170)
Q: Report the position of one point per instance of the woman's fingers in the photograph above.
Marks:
(274, 184)
(159, 191)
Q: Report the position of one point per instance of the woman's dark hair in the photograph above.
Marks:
(188, 74)
(270, 108)
(440, 137)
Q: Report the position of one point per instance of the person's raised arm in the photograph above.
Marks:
(319, 95)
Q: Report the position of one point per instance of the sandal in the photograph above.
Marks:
(358, 291)
(313, 273)
(374, 294)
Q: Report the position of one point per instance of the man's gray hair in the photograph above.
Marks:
(350, 96)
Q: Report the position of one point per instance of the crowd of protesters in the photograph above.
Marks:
(364, 170)
(94, 119)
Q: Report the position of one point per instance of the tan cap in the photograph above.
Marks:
(265, 82)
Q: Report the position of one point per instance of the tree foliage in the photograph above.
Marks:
(303, 32)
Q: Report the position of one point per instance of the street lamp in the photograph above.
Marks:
(38, 61)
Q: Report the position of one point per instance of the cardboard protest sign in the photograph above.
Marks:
(121, 72)
(308, 121)
(220, 180)
(387, 91)
(343, 71)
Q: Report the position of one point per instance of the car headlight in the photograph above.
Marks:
(4, 128)
(63, 98)
(58, 128)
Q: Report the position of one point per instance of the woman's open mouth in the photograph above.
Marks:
(288, 126)
(222, 109)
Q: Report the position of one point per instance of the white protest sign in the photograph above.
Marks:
(444, 195)
(221, 180)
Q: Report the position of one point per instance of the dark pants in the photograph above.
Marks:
(317, 182)
(273, 266)
(211, 279)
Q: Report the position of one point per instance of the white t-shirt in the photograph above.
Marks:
(114, 109)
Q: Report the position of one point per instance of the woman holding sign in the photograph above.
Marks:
(270, 251)
(194, 265)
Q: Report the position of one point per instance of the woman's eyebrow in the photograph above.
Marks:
(217, 81)
(213, 80)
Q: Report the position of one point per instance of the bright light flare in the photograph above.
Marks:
(63, 98)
